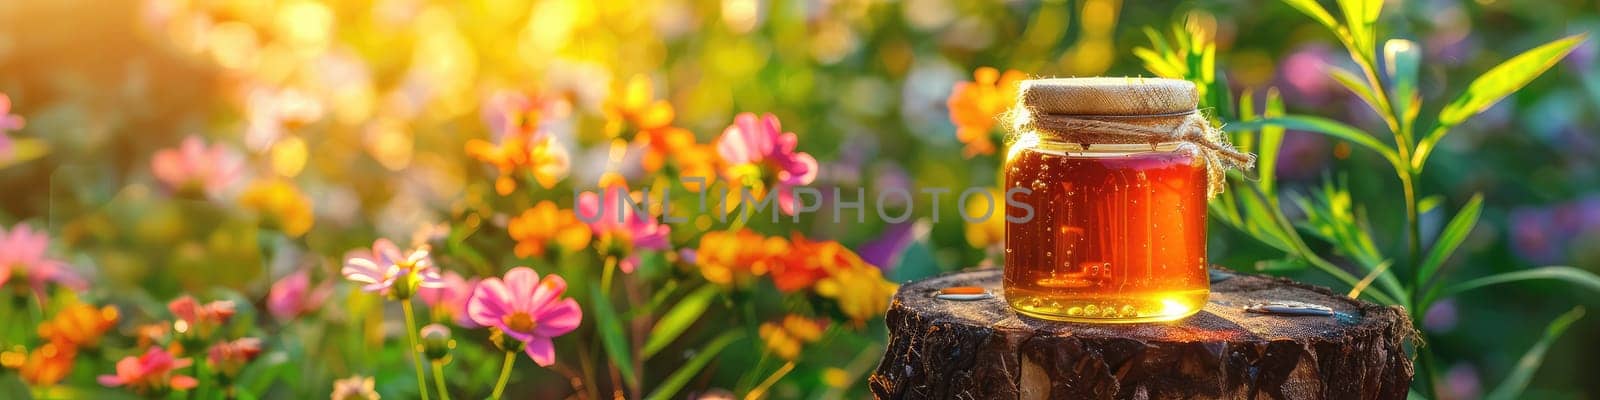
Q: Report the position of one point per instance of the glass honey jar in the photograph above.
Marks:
(1117, 172)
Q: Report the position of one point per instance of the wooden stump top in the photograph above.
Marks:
(982, 349)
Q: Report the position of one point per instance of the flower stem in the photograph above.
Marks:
(605, 277)
(761, 390)
(438, 380)
(505, 375)
(411, 337)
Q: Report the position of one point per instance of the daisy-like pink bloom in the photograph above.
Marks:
(230, 357)
(293, 296)
(199, 319)
(154, 370)
(8, 122)
(618, 225)
(193, 167)
(382, 267)
(450, 300)
(527, 310)
(22, 256)
(757, 148)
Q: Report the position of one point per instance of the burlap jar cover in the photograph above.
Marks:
(1090, 111)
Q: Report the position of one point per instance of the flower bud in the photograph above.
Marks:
(436, 342)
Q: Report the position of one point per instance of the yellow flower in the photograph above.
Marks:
(787, 338)
(735, 258)
(282, 204)
(860, 292)
(79, 325)
(988, 231)
(975, 106)
(537, 226)
(634, 103)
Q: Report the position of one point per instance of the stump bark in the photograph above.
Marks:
(946, 349)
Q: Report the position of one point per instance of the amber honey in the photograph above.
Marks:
(1118, 232)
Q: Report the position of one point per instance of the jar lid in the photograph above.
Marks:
(1108, 96)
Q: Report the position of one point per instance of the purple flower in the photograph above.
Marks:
(754, 148)
(384, 266)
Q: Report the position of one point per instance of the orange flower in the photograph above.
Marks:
(634, 102)
(79, 325)
(47, 364)
(658, 144)
(734, 258)
(282, 204)
(807, 262)
(974, 107)
(537, 226)
(542, 157)
(787, 338)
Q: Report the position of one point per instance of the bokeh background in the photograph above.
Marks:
(366, 108)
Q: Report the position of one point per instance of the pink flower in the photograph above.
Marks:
(618, 225)
(527, 310)
(751, 144)
(384, 265)
(293, 296)
(199, 319)
(8, 122)
(194, 168)
(517, 114)
(230, 357)
(450, 300)
(156, 369)
(22, 255)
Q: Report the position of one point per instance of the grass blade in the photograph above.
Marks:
(1512, 387)
(1580, 277)
(609, 326)
(678, 319)
(681, 377)
(1454, 232)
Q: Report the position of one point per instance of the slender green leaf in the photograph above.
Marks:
(1429, 203)
(1496, 84)
(1321, 125)
(1355, 292)
(1311, 9)
(1361, 17)
(1560, 272)
(1356, 86)
(688, 370)
(1449, 239)
(1271, 141)
(1512, 387)
(609, 326)
(678, 319)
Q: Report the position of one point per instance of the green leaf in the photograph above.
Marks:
(1494, 85)
(1449, 239)
(1561, 272)
(24, 150)
(1361, 17)
(688, 370)
(609, 327)
(678, 319)
(1271, 141)
(1512, 387)
(1321, 125)
(1429, 203)
(1311, 9)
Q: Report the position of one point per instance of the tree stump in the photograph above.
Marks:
(981, 349)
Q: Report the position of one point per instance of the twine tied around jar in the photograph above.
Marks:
(1086, 111)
